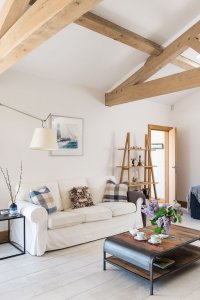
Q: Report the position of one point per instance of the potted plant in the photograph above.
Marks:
(162, 216)
(13, 197)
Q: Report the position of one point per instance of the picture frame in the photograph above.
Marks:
(157, 146)
(69, 132)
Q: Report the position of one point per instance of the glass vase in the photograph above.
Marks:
(13, 209)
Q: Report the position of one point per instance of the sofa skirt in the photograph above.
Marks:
(87, 232)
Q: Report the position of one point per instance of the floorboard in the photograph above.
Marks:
(76, 274)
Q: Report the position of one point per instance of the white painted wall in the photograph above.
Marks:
(186, 116)
(104, 128)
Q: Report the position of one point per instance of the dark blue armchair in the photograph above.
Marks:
(194, 207)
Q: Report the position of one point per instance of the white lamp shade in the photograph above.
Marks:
(44, 139)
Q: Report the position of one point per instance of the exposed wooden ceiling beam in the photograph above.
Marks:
(31, 2)
(118, 33)
(185, 63)
(37, 24)
(155, 63)
(195, 44)
(166, 85)
(11, 11)
(122, 35)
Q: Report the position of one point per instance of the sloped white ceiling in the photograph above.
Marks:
(79, 56)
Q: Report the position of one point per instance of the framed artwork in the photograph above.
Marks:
(69, 133)
(157, 146)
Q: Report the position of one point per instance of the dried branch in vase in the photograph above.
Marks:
(8, 183)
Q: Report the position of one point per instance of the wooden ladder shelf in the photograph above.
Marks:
(149, 178)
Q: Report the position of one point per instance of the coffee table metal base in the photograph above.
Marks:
(183, 257)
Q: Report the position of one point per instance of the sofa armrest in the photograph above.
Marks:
(139, 216)
(34, 213)
(139, 203)
(133, 196)
(36, 228)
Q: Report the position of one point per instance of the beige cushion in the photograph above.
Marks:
(97, 187)
(94, 213)
(65, 219)
(26, 187)
(66, 185)
(119, 208)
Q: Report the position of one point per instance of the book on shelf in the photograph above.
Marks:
(163, 262)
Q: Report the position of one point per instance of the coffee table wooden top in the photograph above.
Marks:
(178, 237)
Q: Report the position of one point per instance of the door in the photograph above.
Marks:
(158, 147)
(163, 145)
(172, 165)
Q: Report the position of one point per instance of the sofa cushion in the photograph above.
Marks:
(115, 192)
(94, 213)
(97, 187)
(65, 219)
(35, 185)
(119, 208)
(66, 185)
(80, 197)
(44, 198)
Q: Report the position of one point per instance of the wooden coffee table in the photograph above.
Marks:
(138, 256)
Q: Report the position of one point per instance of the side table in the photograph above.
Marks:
(9, 219)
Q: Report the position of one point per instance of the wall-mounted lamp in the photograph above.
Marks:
(43, 138)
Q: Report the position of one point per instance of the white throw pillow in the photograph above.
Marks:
(66, 185)
(35, 185)
(97, 187)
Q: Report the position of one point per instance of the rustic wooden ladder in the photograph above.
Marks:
(149, 178)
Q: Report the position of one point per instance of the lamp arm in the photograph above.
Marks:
(26, 114)
(43, 138)
(44, 121)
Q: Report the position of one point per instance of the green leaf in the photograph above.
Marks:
(158, 230)
(153, 222)
(179, 219)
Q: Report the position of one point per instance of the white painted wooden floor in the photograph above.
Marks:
(76, 273)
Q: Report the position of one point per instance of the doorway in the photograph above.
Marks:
(163, 153)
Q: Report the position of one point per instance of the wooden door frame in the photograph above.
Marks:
(175, 166)
(166, 129)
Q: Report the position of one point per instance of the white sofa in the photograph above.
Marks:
(68, 227)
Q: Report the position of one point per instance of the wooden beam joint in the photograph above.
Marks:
(155, 63)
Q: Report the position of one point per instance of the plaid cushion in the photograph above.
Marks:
(115, 192)
(80, 197)
(43, 198)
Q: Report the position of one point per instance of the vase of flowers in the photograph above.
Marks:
(13, 206)
(162, 216)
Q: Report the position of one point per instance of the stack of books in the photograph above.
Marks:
(163, 262)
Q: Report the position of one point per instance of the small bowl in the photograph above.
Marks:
(133, 231)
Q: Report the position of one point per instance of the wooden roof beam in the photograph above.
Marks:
(185, 63)
(42, 20)
(195, 44)
(166, 85)
(118, 33)
(155, 63)
(11, 11)
(122, 35)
